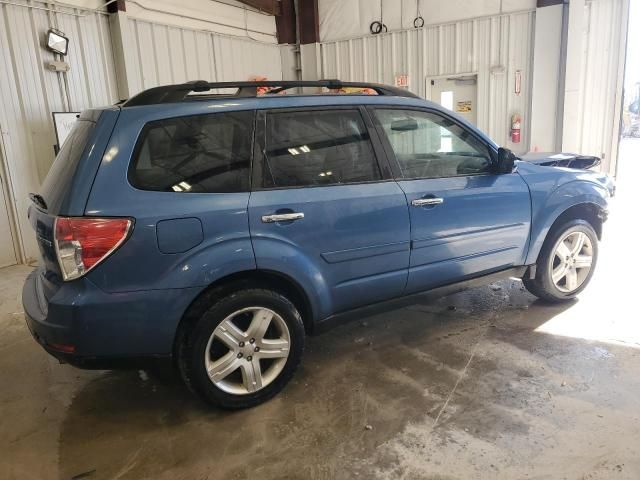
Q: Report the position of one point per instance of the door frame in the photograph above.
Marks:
(427, 82)
(11, 208)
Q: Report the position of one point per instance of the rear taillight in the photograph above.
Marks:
(83, 242)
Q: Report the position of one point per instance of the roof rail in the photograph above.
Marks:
(178, 92)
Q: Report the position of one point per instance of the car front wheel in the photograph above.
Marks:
(566, 262)
(244, 349)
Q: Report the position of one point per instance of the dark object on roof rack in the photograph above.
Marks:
(178, 92)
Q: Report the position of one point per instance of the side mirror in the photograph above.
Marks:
(506, 160)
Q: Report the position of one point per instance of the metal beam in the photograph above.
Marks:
(549, 3)
(308, 21)
(272, 7)
(114, 6)
(286, 22)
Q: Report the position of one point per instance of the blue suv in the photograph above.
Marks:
(217, 230)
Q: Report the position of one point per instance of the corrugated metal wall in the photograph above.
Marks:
(166, 54)
(30, 92)
(601, 81)
(473, 46)
(400, 14)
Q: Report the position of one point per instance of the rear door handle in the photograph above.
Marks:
(282, 217)
(421, 202)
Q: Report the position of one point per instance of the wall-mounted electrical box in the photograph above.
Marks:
(58, 66)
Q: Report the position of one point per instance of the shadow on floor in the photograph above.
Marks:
(386, 371)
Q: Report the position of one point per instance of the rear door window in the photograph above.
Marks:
(317, 147)
(195, 154)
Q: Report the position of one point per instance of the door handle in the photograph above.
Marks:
(421, 202)
(282, 217)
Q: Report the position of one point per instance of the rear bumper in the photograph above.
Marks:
(45, 337)
(80, 324)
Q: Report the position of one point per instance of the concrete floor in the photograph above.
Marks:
(485, 384)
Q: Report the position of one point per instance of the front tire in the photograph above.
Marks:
(243, 349)
(566, 262)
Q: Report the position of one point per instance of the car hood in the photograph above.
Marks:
(570, 160)
(553, 176)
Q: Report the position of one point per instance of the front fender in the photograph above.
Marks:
(280, 256)
(546, 211)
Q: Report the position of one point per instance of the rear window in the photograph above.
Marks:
(58, 180)
(196, 154)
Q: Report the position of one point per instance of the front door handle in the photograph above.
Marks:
(282, 217)
(421, 202)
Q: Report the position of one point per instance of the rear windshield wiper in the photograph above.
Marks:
(38, 200)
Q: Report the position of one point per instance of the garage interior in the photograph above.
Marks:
(486, 383)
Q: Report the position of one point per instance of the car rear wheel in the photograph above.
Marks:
(244, 349)
(566, 262)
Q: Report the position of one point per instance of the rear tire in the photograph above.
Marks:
(566, 262)
(243, 349)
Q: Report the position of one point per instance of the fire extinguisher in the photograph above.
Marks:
(515, 128)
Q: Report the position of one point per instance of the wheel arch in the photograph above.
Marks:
(589, 211)
(267, 279)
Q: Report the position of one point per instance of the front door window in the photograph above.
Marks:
(427, 145)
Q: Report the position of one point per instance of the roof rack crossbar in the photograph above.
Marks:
(178, 92)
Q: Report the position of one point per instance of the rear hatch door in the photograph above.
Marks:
(68, 183)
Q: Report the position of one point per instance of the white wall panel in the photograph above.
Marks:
(546, 83)
(470, 46)
(600, 87)
(30, 93)
(168, 54)
(400, 14)
(229, 17)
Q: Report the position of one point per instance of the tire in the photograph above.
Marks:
(222, 341)
(543, 285)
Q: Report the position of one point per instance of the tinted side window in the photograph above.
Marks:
(203, 153)
(427, 145)
(322, 147)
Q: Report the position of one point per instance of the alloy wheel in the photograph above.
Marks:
(571, 261)
(247, 350)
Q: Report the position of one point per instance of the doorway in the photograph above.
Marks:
(458, 94)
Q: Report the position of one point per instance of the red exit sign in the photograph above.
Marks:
(402, 81)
